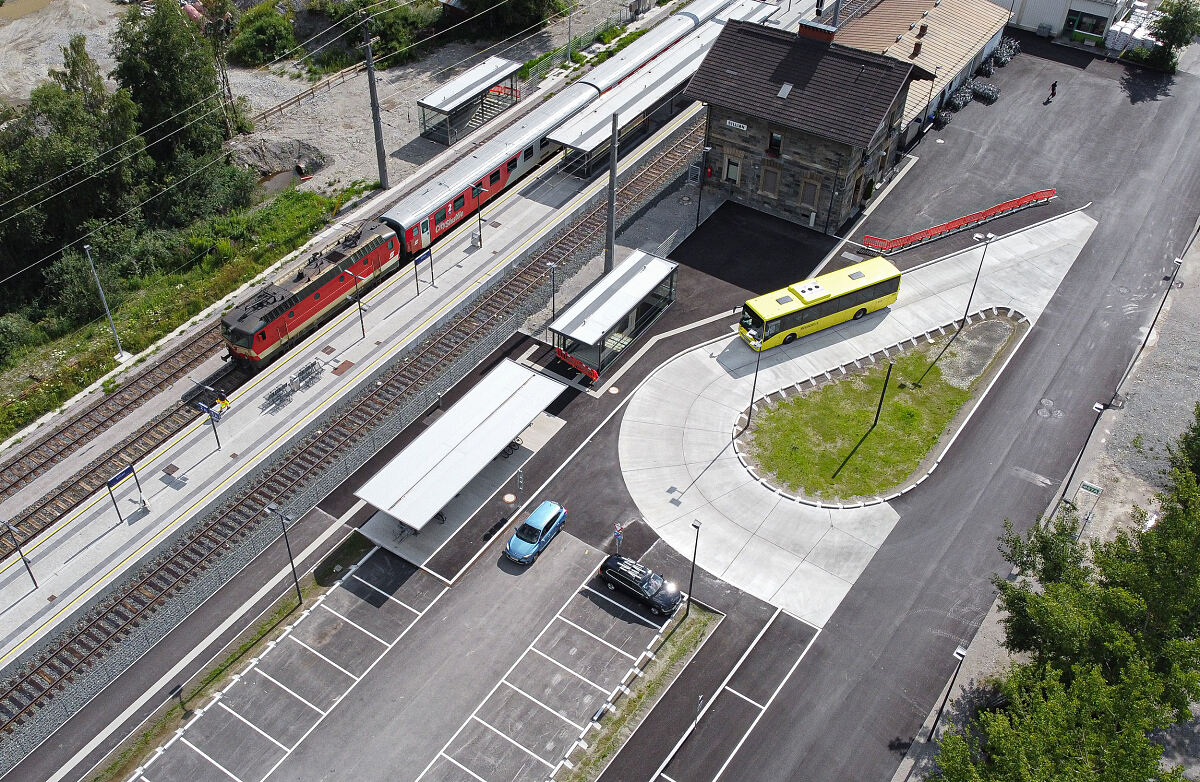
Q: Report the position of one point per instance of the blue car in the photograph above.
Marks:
(535, 533)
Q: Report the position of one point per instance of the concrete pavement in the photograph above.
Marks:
(678, 460)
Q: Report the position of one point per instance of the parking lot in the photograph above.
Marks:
(522, 730)
(259, 719)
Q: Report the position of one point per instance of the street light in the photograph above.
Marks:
(552, 265)
(960, 654)
(700, 191)
(476, 191)
(757, 345)
(20, 553)
(692, 578)
(987, 239)
(121, 355)
(361, 323)
(283, 522)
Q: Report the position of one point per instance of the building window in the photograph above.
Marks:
(1085, 23)
(809, 193)
(775, 144)
(733, 170)
(768, 184)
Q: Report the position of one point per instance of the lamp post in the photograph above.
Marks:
(87, 249)
(283, 522)
(960, 654)
(476, 191)
(692, 578)
(552, 265)
(362, 324)
(700, 191)
(17, 545)
(987, 239)
(757, 345)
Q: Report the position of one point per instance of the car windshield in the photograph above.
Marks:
(528, 534)
(652, 584)
(751, 321)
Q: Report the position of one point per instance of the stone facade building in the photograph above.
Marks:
(798, 126)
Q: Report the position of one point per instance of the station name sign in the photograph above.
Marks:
(735, 125)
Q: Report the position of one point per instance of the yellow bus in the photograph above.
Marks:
(779, 317)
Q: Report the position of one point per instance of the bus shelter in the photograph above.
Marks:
(469, 100)
(419, 481)
(597, 328)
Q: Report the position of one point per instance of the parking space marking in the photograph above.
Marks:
(626, 609)
(763, 711)
(326, 659)
(353, 624)
(574, 673)
(616, 649)
(385, 594)
(215, 764)
(254, 727)
(460, 765)
(287, 689)
(555, 712)
(510, 740)
(664, 776)
(746, 698)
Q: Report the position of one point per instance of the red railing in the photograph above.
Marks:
(938, 231)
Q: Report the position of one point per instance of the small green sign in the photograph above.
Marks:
(1091, 488)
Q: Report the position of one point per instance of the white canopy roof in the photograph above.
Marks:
(613, 296)
(453, 93)
(434, 467)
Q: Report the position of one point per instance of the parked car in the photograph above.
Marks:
(533, 535)
(646, 586)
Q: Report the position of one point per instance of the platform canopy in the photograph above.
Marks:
(443, 459)
(612, 298)
(466, 87)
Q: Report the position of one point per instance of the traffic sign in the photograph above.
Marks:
(1091, 488)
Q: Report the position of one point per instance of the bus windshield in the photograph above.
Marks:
(751, 322)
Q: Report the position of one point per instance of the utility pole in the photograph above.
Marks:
(611, 238)
(570, 10)
(380, 157)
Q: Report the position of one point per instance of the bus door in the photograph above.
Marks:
(425, 233)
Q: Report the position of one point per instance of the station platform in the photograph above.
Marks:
(90, 549)
(675, 444)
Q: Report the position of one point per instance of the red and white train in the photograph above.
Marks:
(294, 305)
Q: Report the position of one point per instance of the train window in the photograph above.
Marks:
(342, 278)
(494, 178)
(459, 203)
(529, 153)
(316, 295)
(545, 142)
(440, 217)
(424, 226)
(512, 164)
(292, 314)
(262, 335)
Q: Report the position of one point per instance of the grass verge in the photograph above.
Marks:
(670, 659)
(822, 443)
(134, 751)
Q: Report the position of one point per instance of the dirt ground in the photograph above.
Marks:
(337, 122)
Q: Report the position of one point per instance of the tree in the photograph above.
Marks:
(263, 34)
(171, 73)
(1178, 25)
(508, 16)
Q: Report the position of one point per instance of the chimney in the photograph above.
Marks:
(924, 29)
(916, 48)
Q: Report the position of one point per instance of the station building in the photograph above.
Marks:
(799, 125)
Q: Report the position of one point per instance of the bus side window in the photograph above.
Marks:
(773, 327)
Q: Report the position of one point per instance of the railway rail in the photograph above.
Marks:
(84, 647)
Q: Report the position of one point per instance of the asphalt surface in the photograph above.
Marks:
(1121, 139)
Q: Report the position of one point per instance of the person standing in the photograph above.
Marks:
(1053, 89)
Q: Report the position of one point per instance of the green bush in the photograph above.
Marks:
(263, 35)
(17, 332)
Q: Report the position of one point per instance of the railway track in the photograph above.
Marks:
(134, 602)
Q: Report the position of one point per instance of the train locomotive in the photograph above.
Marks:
(294, 305)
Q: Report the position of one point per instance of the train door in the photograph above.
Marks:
(425, 232)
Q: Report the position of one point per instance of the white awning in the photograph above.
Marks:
(612, 298)
(434, 467)
(466, 86)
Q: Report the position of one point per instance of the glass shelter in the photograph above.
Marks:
(596, 329)
(469, 100)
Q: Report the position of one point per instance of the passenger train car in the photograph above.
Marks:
(289, 308)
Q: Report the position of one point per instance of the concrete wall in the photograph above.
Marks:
(1030, 14)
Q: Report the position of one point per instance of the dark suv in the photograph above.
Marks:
(629, 575)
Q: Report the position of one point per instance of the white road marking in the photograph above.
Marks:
(571, 671)
(460, 765)
(323, 657)
(353, 624)
(215, 764)
(747, 698)
(616, 649)
(770, 700)
(286, 689)
(512, 741)
(385, 594)
(555, 712)
(626, 609)
(254, 727)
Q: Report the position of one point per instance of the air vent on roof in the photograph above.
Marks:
(785, 90)
(857, 275)
(784, 300)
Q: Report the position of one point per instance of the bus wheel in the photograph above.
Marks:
(859, 314)
(789, 339)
